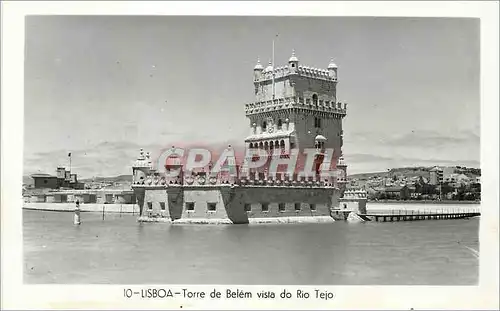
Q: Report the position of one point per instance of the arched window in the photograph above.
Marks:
(264, 126)
(251, 146)
(280, 124)
(315, 100)
(317, 122)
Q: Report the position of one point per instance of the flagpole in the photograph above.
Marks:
(274, 69)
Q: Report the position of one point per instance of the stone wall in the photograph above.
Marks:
(204, 203)
(99, 197)
(305, 87)
(305, 131)
(282, 88)
(354, 201)
(239, 204)
(152, 203)
(70, 207)
(356, 206)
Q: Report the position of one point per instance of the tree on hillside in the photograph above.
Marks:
(446, 188)
(475, 188)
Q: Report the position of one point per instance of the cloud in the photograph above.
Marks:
(418, 138)
(106, 158)
(375, 151)
(364, 157)
(433, 139)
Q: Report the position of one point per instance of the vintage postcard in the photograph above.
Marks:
(260, 155)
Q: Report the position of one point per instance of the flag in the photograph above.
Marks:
(69, 154)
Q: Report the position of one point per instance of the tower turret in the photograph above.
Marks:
(332, 69)
(293, 63)
(141, 168)
(257, 70)
(341, 173)
(269, 67)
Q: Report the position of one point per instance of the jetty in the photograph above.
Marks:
(413, 215)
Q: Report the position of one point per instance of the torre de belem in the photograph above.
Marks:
(295, 108)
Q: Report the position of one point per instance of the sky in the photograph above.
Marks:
(101, 87)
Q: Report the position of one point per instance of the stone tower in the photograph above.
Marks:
(296, 107)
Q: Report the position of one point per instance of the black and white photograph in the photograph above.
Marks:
(257, 150)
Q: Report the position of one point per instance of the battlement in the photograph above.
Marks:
(305, 71)
(294, 102)
(280, 180)
(316, 73)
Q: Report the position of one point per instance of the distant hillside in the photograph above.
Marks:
(405, 171)
(414, 171)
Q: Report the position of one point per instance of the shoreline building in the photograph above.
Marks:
(62, 179)
(295, 108)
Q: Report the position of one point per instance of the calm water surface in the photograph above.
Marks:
(119, 250)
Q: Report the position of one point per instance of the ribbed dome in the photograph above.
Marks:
(332, 65)
(142, 160)
(269, 67)
(258, 66)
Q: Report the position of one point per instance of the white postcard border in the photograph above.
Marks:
(17, 295)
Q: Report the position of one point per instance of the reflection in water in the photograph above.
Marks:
(120, 250)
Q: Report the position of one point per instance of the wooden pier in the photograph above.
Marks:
(418, 215)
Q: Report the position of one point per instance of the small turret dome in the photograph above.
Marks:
(269, 67)
(332, 65)
(142, 160)
(258, 66)
(341, 161)
(293, 58)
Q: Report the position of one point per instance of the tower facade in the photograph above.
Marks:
(295, 107)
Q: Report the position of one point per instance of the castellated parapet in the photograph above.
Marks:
(338, 109)
(284, 72)
(355, 194)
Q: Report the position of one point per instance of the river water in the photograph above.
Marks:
(119, 250)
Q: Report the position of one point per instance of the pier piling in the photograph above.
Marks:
(76, 218)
